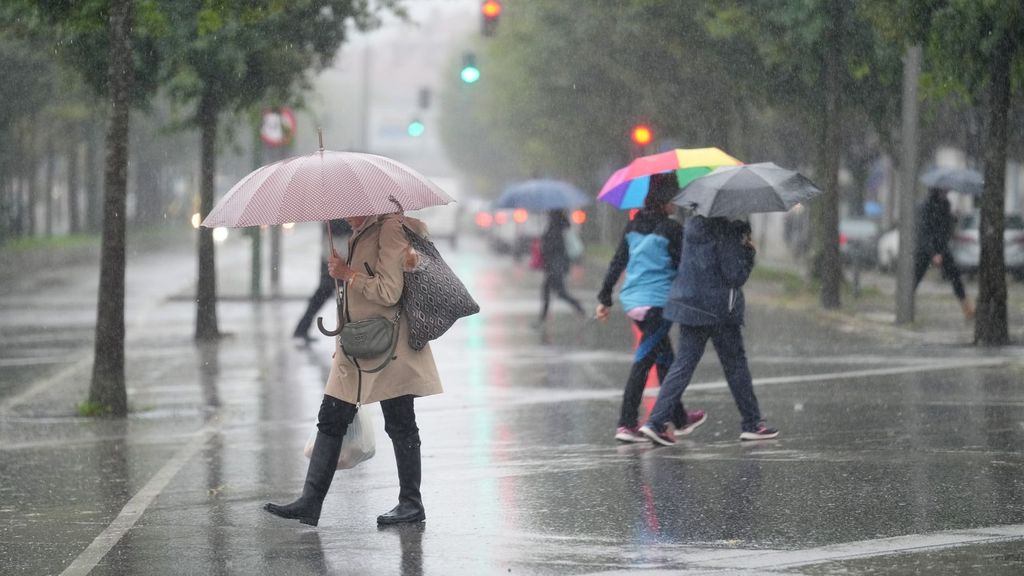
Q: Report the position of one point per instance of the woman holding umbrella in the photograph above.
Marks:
(373, 278)
(649, 254)
(555, 264)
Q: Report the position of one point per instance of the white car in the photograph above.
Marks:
(889, 249)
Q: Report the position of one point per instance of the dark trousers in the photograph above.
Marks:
(556, 282)
(324, 291)
(655, 349)
(923, 259)
(728, 342)
(399, 416)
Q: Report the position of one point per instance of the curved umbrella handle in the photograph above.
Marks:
(325, 331)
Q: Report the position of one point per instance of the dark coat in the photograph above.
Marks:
(715, 265)
(935, 223)
(552, 247)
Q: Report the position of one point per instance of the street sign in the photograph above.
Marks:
(278, 127)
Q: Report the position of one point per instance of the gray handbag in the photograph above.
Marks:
(433, 297)
(369, 338)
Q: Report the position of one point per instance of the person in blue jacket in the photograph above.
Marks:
(649, 254)
(707, 302)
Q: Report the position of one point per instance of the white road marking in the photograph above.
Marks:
(133, 510)
(84, 361)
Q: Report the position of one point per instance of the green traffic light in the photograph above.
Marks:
(470, 74)
(416, 129)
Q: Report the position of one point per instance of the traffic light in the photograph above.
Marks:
(642, 135)
(423, 98)
(489, 11)
(469, 73)
(416, 128)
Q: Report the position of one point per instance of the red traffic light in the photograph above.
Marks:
(491, 9)
(642, 135)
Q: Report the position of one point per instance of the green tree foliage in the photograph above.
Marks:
(227, 56)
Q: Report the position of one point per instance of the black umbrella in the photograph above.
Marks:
(734, 191)
(960, 179)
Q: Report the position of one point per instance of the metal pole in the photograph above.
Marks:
(256, 233)
(908, 186)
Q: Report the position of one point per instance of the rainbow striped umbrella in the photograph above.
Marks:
(627, 187)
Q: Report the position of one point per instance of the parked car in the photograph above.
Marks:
(888, 251)
(858, 238)
(966, 247)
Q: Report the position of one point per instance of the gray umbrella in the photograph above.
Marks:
(960, 179)
(734, 191)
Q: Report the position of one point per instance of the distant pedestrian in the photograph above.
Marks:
(555, 263)
(935, 223)
(707, 302)
(649, 254)
(340, 230)
(373, 277)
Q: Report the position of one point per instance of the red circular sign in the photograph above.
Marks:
(277, 127)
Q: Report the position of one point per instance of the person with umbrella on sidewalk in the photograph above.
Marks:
(935, 223)
(706, 299)
(649, 254)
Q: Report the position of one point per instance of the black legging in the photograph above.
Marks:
(399, 416)
(923, 259)
(556, 282)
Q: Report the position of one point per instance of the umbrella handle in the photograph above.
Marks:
(325, 331)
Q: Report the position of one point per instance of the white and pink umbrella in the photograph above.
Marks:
(324, 185)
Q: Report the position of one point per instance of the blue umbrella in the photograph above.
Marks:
(960, 179)
(541, 195)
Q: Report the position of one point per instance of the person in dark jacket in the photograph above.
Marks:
(707, 302)
(935, 223)
(340, 231)
(556, 264)
(649, 255)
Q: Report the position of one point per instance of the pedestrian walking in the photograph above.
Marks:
(340, 231)
(555, 262)
(707, 302)
(373, 277)
(649, 254)
(935, 223)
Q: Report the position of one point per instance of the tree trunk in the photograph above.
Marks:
(206, 289)
(831, 267)
(990, 325)
(107, 389)
(31, 178)
(93, 176)
(51, 166)
(74, 225)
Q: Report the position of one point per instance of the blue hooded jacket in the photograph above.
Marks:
(715, 265)
(649, 253)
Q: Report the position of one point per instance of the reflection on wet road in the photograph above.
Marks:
(891, 452)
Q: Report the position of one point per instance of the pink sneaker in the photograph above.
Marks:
(694, 418)
(627, 434)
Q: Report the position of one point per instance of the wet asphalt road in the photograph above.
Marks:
(898, 455)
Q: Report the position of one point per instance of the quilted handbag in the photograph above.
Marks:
(433, 297)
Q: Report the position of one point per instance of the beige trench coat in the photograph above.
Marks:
(381, 244)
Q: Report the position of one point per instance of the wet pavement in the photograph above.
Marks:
(902, 450)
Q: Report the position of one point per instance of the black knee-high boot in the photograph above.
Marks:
(410, 503)
(335, 416)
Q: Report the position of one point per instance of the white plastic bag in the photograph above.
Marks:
(359, 443)
(573, 245)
